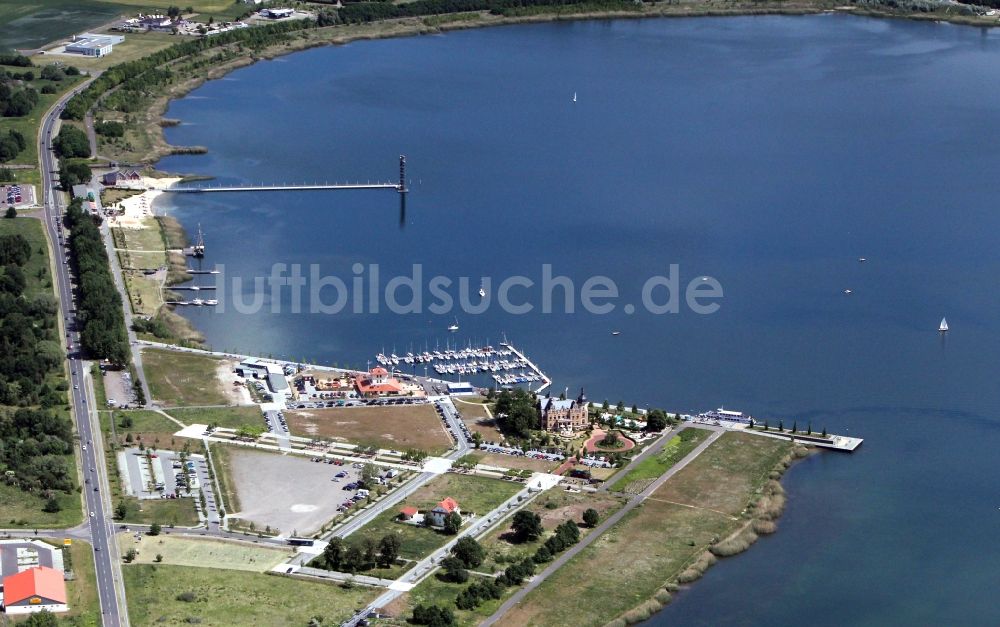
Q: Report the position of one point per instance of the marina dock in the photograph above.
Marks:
(505, 365)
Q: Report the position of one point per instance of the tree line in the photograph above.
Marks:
(11, 145)
(28, 332)
(359, 554)
(99, 313)
(16, 101)
(33, 440)
(360, 12)
(72, 143)
(136, 79)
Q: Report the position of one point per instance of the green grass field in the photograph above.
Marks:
(230, 501)
(23, 509)
(84, 606)
(657, 540)
(29, 24)
(433, 591)
(182, 379)
(672, 452)
(136, 45)
(167, 512)
(230, 417)
(204, 552)
(229, 597)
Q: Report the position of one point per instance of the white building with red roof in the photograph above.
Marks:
(378, 382)
(441, 510)
(33, 590)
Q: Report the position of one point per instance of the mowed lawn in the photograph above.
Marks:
(478, 495)
(232, 597)
(397, 427)
(204, 553)
(229, 417)
(643, 473)
(658, 539)
(177, 378)
(81, 590)
(148, 427)
(433, 591)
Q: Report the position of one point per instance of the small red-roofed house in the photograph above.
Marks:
(407, 513)
(33, 590)
(441, 510)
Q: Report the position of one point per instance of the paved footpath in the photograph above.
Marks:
(518, 596)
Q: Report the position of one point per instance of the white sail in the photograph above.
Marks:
(943, 326)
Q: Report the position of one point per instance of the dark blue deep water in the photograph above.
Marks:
(767, 152)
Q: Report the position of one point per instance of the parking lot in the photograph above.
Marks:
(18, 195)
(118, 388)
(321, 403)
(162, 475)
(289, 493)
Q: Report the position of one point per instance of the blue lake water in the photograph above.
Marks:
(767, 152)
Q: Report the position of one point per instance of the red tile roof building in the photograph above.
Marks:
(378, 382)
(442, 509)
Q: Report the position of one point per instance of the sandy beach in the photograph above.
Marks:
(140, 206)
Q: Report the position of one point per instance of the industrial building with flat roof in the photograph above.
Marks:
(92, 45)
(33, 590)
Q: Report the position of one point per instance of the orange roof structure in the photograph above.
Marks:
(41, 582)
(449, 505)
(378, 381)
(408, 511)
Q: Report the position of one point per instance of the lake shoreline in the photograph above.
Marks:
(155, 122)
(763, 521)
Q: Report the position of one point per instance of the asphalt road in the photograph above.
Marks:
(96, 492)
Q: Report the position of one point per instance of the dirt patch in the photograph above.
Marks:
(400, 427)
(235, 394)
(518, 463)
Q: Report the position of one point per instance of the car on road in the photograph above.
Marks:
(91, 514)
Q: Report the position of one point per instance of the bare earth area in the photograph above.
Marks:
(235, 394)
(285, 492)
(400, 427)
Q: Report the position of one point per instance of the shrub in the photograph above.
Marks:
(735, 544)
(187, 597)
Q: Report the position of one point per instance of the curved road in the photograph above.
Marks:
(110, 587)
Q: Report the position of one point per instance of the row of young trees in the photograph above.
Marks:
(100, 308)
(360, 12)
(135, 80)
(359, 554)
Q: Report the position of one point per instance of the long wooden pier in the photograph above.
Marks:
(284, 188)
(399, 186)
